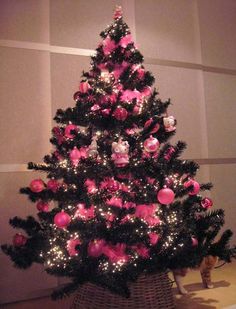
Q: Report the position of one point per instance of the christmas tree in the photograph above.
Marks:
(119, 201)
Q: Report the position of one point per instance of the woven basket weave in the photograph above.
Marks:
(149, 291)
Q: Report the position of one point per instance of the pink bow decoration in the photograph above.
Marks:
(71, 244)
(116, 253)
(115, 201)
(126, 40)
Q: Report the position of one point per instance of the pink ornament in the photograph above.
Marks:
(141, 73)
(129, 95)
(108, 46)
(195, 184)
(42, 206)
(91, 186)
(169, 123)
(71, 246)
(118, 12)
(19, 240)
(120, 152)
(68, 129)
(126, 40)
(75, 156)
(120, 113)
(146, 92)
(154, 238)
(53, 185)
(84, 87)
(151, 144)
(62, 219)
(206, 203)
(95, 247)
(84, 213)
(148, 123)
(194, 241)
(168, 154)
(58, 134)
(165, 196)
(37, 185)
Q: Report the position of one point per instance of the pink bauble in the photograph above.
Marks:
(194, 241)
(206, 203)
(151, 144)
(62, 219)
(37, 185)
(68, 129)
(19, 240)
(166, 196)
(120, 113)
(53, 185)
(195, 184)
(95, 247)
(42, 206)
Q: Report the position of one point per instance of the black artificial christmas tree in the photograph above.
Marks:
(119, 201)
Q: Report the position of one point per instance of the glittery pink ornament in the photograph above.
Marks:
(42, 206)
(53, 185)
(166, 196)
(19, 240)
(75, 156)
(120, 113)
(68, 129)
(95, 247)
(146, 91)
(151, 144)
(194, 241)
(195, 184)
(62, 219)
(206, 203)
(37, 185)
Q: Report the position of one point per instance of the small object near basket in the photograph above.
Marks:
(149, 291)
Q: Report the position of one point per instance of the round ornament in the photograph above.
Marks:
(166, 196)
(120, 113)
(37, 185)
(62, 219)
(53, 185)
(148, 123)
(19, 240)
(195, 184)
(42, 206)
(95, 248)
(151, 144)
(206, 203)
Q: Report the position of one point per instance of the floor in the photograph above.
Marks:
(222, 296)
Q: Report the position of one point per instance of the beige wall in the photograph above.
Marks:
(190, 47)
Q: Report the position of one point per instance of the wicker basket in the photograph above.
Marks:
(150, 291)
